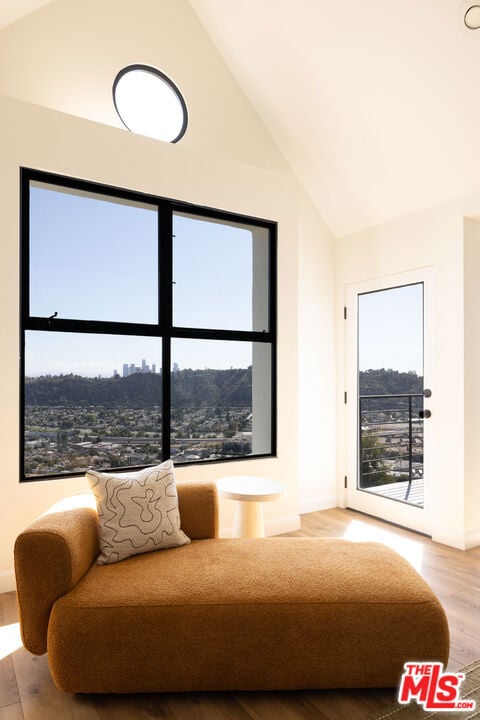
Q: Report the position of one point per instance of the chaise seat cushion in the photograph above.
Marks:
(250, 614)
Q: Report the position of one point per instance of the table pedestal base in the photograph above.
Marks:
(248, 520)
(250, 493)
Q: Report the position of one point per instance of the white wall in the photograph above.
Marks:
(66, 55)
(471, 263)
(316, 362)
(433, 237)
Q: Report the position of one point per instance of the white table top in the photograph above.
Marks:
(251, 489)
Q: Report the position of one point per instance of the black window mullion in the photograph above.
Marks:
(25, 299)
(209, 213)
(272, 279)
(165, 239)
(272, 324)
(166, 393)
(100, 327)
(28, 174)
(25, 245)
(273, 378)
(235, 335)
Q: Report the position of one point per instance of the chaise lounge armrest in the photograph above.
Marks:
(56, 551)
(50, 558)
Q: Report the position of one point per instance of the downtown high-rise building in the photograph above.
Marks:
(132, 369)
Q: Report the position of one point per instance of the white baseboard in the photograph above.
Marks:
(283, 525)
(459, 540)
(7, 581)
(472, 539)
(274, 527)
(319, 503)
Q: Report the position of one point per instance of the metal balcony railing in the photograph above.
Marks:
(391, 443)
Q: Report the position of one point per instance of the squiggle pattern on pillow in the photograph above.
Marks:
(137, 512)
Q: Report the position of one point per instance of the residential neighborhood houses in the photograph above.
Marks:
(67, 440)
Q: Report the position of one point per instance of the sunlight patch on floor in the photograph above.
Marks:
(10, 639)
(411, 550)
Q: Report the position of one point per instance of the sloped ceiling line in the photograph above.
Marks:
(373, 104)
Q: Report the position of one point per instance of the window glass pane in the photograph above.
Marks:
(220, 273)
(91, 401)
(92, 257)
(390, 340)
(390, 381)
(221, 399)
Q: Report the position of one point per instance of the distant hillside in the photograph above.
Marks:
(389, 382)
(190, 388)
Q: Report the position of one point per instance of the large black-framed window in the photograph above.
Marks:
(148, 330)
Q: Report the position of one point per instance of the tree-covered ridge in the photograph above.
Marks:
(389, 382)
(196, 388)
(190, 388)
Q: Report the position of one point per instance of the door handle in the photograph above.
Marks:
(427, 393)
(425, 414)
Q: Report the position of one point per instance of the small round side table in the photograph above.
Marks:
(250, 493)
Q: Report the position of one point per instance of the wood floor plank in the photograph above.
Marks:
(126, 707)
(454, 575)
(446, 574)
(12, 712)
(206, 706)
(464, 648)
(8, 682)
(352, 704)
(280, 705)
(39, 696)
(459, 617)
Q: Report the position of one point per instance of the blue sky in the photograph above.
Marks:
(390, 329)
(97, 260)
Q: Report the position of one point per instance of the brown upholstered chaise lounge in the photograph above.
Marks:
(220, 614)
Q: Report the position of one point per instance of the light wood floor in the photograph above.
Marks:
(27, 691)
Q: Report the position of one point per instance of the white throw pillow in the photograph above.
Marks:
(137, 512)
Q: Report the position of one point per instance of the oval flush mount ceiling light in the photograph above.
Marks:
(472, 17)
(149, 103)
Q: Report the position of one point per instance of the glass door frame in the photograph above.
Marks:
(411, 516)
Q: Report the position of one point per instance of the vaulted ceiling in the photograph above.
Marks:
(373, 103)
(13, 10)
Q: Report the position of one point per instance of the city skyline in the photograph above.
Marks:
(131, 369)
(101, 355)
